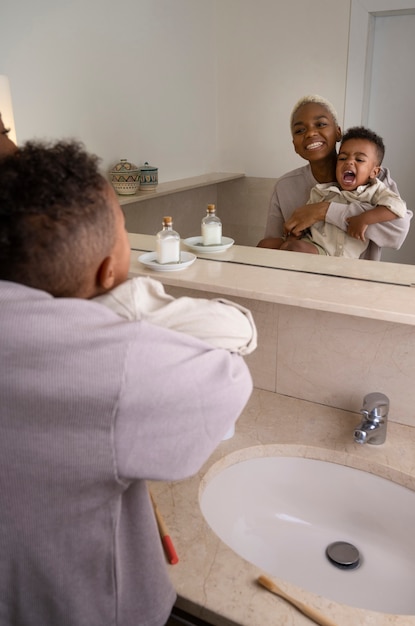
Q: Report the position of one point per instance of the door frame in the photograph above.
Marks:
(359, 62)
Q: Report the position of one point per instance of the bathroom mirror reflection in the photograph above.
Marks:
(208, 86)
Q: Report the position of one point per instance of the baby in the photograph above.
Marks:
(358, 163)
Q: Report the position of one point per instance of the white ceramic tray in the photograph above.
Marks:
(149, 260)
(196, 244)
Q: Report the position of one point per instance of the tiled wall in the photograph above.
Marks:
(242, 205)
(329, 358)
(186, 208)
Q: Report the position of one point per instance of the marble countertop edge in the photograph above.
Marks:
(379, 301)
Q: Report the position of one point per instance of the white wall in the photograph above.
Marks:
(271, 53)
(133, 79)
(191, 86)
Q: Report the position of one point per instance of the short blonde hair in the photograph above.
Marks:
(315, 99)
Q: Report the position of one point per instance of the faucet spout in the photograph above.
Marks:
(372, 428)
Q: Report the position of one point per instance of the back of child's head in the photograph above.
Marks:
(361, 132)
(55, 219)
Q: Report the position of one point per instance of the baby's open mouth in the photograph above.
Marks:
(349, 177)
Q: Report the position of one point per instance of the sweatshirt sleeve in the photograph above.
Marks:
(179, 398)
(275, 219)
(392, 201)
(220, 322)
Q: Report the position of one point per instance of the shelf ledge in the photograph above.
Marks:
(184, 184)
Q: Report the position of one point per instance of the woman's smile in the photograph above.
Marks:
(315, 145)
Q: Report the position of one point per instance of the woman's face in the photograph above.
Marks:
(314, 132)
(6, 145)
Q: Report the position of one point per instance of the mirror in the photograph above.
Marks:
(367, 101)
(243, 206)
(197, 87)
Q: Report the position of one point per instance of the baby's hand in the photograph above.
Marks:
(356, 227)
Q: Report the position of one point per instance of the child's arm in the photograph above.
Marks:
(221, 323)
(387, 206)
(358, 224)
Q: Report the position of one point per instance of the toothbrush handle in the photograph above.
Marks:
(307, 610)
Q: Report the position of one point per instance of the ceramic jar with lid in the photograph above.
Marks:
(125, 177)
(148, 177)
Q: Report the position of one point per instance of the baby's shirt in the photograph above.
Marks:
(221, 323)
(376, 194)
(334, 240)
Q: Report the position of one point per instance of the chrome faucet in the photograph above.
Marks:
(375, 410)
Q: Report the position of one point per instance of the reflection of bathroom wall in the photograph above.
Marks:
(191, 87)
(331, 359)
(242, 205)
(186, 208)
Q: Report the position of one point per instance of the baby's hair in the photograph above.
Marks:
(314, 99)
(361, 132)
(56, 221)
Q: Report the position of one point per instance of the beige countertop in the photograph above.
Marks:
(254, 273)
(216, 584)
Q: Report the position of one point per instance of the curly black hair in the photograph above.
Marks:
(55, 219)
(361, 132)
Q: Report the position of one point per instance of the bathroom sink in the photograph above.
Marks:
(336, 531)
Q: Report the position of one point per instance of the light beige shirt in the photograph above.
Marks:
(292, 190)
(332, 239)
(221, 323)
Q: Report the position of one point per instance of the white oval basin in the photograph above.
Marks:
(281, 513)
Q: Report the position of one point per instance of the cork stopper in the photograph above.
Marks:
(211, 208)
(167, 220)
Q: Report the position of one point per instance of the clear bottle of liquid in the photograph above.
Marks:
(211, 228)
(167, 243)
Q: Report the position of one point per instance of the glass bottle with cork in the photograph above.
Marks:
(167, 243)
(211, 227)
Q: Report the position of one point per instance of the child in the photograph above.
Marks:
(92, 406)
(358, 164)
(222, 323)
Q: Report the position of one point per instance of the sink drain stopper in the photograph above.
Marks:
(343, 555)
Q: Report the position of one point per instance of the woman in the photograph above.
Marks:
(315, 131)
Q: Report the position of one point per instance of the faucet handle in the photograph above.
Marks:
(375, 405)
(375, 415)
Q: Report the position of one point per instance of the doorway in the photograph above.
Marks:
(380, 92)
